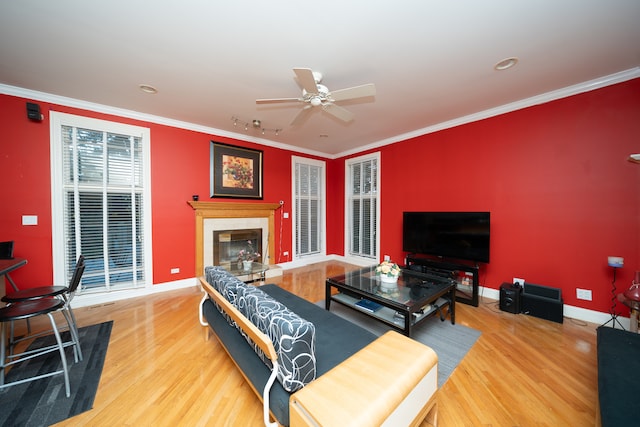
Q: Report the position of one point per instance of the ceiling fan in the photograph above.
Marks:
(316, 95)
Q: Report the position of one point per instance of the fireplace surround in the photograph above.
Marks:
(245, 215)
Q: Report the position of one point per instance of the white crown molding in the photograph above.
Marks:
(506, 108)
(576, 89)
(136, 115)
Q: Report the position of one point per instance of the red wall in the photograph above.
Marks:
(555, 178)
(335, 207)
(179, 169)
(26, 189)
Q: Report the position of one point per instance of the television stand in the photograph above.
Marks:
(466, 276)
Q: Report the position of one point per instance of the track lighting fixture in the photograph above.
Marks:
(256, 124)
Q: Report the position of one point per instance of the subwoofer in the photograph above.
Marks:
(510, 298)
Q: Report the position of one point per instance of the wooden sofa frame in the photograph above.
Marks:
(363, 390)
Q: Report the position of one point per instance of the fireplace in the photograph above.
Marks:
(221, 216)
(227, 244)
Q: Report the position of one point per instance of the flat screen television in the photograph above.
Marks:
(459, 235)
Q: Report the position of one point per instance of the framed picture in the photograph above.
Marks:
(235, 171)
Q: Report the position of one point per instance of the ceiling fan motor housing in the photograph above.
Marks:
(316, 99)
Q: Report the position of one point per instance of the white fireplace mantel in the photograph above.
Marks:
(210, 210)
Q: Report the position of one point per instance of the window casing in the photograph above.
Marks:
(100, 202)
(309, 207)
(363, 207)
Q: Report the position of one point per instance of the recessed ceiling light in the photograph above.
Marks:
(506, 63)
(148, 88)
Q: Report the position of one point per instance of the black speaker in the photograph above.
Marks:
(33, 112)
(510, 297)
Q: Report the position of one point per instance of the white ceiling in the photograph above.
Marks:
(432, 61)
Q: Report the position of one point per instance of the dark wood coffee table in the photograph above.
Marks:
(416, 297)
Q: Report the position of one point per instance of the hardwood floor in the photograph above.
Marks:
(160, 370)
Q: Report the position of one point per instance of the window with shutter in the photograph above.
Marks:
(362, 206)
(308, 213)
(100, 176)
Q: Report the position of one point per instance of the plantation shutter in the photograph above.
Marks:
(308, 204)
(363, 207)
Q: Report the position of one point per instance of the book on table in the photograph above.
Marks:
(369, 306)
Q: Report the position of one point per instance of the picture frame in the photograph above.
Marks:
(235, 171)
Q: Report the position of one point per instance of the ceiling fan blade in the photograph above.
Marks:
(306, 79)
(353, 92)
(275, 100)
(301, 116)
(339, 112)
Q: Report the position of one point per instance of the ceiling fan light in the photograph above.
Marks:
(315, 101)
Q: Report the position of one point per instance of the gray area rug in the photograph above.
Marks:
(43, 402)
(450, 342)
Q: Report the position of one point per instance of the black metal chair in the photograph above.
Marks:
(63, 293)
(28, 310)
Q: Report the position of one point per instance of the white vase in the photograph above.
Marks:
(388, 279)
(246, 265)
(388, 282)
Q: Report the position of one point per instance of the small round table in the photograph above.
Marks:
(635, 309)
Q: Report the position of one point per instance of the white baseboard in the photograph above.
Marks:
(569, 311)
(311, 260)
(88, 300)
(108, 297)
(321, 258)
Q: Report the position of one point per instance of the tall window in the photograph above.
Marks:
(309, 219)
(362, 206)
(100, 176)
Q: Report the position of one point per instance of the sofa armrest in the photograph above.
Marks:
(261, 339)
(257, 336)
(392, 381)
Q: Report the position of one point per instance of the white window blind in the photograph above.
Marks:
(362, 206)
(102, 207)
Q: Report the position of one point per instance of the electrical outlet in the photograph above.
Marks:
(518, 280)
(584, 294)
(175, 270)
(285, 253)
(387, 258)
(286, 215)
(29, 219)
